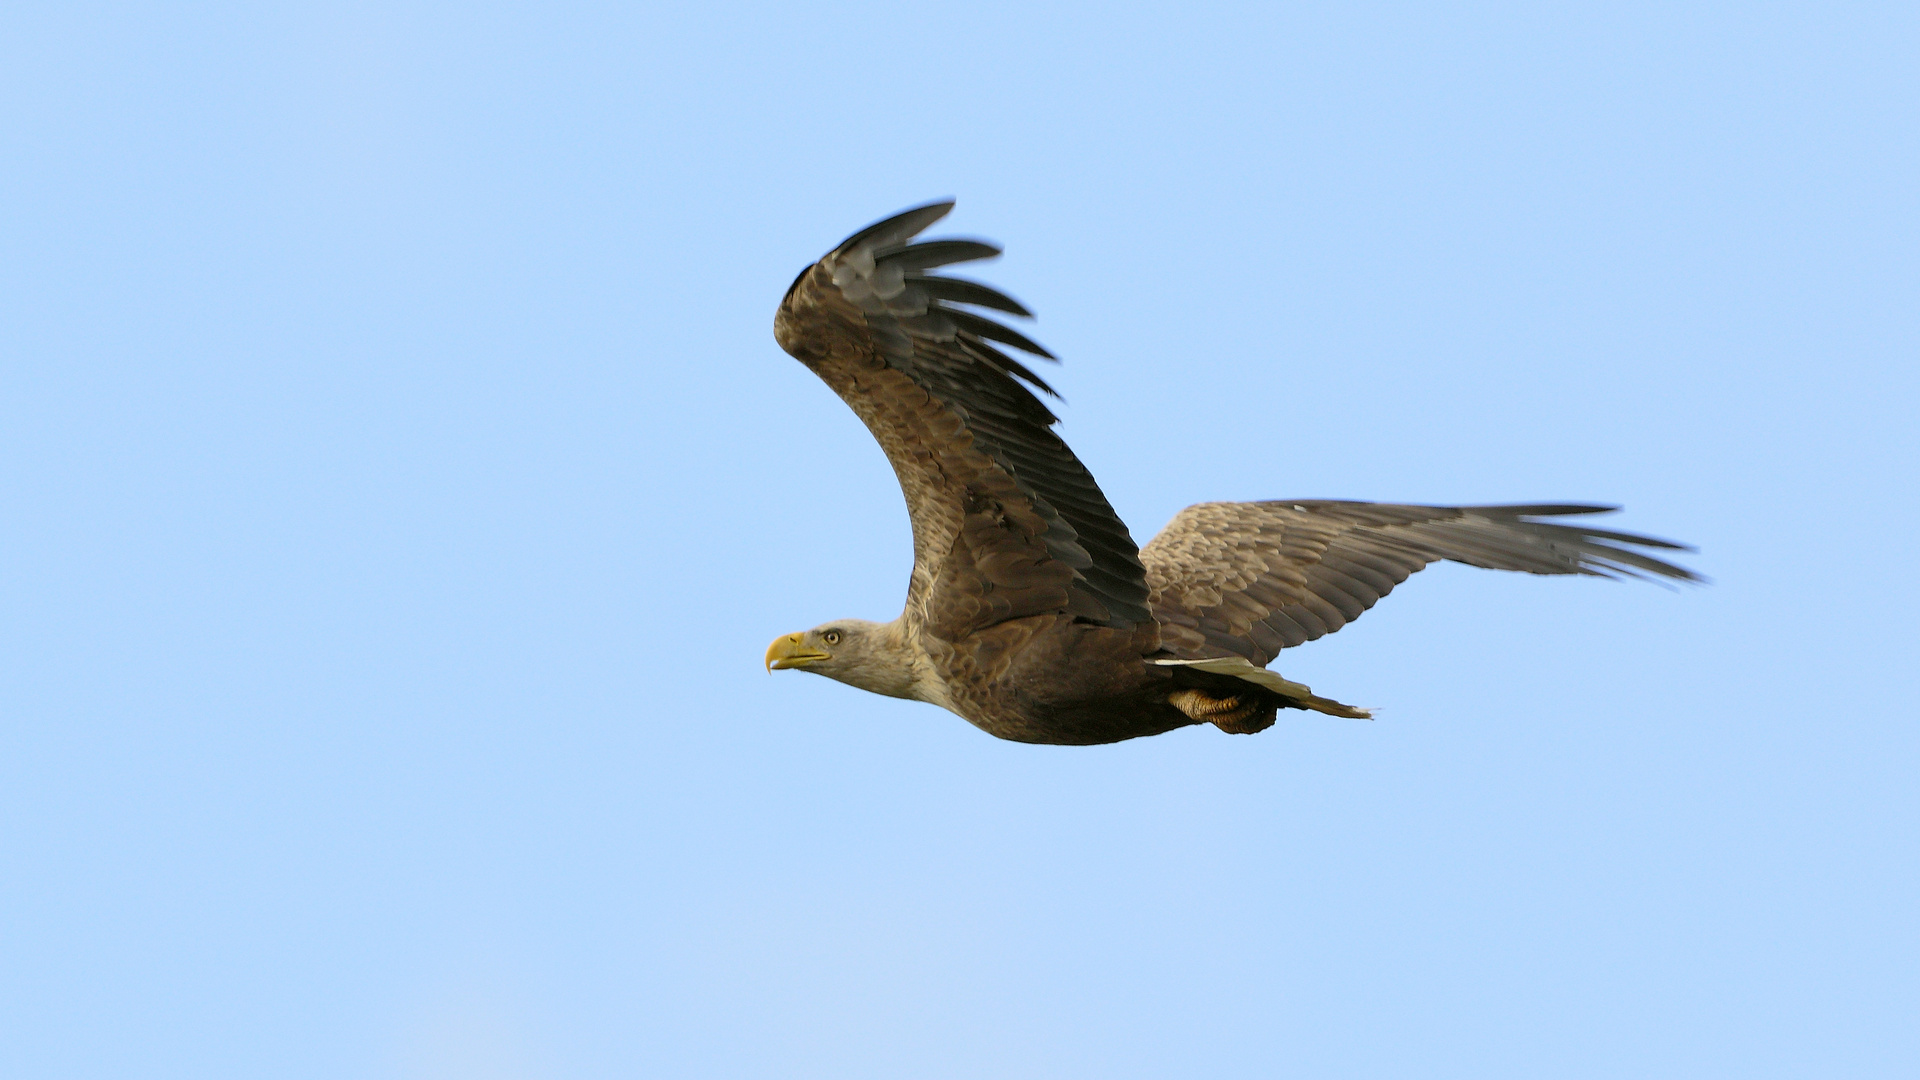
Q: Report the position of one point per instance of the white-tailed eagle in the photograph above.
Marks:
(1030, 611)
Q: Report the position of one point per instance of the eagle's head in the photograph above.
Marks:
(872, 656)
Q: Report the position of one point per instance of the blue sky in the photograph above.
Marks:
(403, 485)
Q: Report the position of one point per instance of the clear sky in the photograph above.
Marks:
(401, 485)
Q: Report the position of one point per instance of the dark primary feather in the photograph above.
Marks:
(962, 291)
(986, 328)
(932, 253)
(900, 227)
(899, 315)
(1253, 578)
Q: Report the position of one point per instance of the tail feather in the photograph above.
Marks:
(1296, 694)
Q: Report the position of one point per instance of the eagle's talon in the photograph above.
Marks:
(1238, 714)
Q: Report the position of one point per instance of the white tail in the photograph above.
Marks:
(1240, 668)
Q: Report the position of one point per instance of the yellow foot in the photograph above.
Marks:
(1239, 714)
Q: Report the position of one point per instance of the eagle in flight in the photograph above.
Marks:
(1031, 612)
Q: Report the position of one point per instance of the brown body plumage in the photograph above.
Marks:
(1030, 611)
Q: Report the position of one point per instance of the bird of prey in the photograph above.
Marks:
(1031, 612)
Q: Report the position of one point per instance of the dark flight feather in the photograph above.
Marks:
(932, 253)
(961, 291)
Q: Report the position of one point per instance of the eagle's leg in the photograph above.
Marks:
(1239, 714)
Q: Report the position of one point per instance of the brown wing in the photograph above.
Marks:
(1250, 579)
(1006, 521)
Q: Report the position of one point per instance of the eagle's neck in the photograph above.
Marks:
(883, 663)
(895, 665)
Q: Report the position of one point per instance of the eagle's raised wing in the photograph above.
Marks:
(1006, 521)
(1250, 579)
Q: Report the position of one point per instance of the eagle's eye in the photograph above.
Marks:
(831, 637)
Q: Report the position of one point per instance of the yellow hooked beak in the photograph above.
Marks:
(792, 651)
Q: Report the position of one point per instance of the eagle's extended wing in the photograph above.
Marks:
(1250, 579)
(1006, 521)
